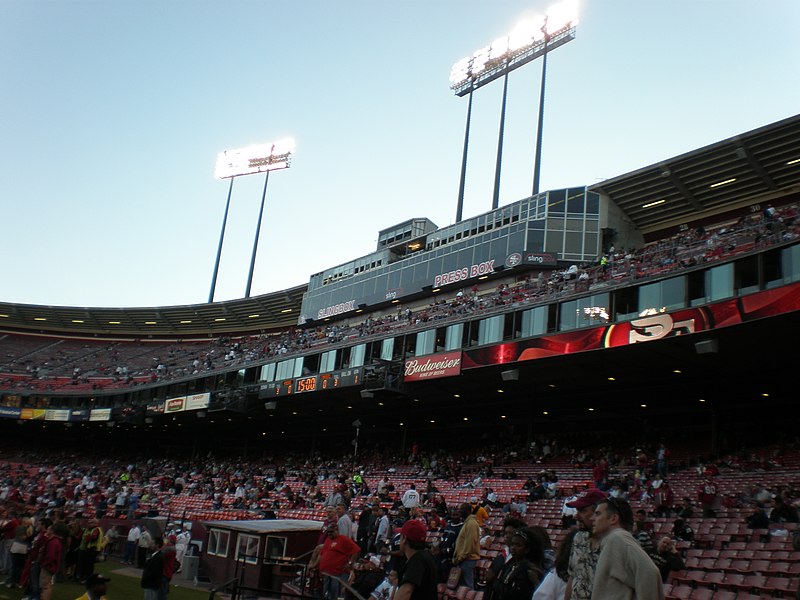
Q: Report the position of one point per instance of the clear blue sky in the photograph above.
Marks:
(112, 114)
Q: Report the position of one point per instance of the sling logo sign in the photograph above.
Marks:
(336, 309)
(433, 367)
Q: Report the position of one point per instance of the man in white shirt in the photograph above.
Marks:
(411, 497)
(134, 533)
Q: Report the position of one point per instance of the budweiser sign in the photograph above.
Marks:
(433, 367)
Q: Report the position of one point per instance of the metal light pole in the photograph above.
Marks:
(461, 185)
(357, 425)
(496, 195)
(219, 249)
(249, 161)
(537, 160)
(532, 38)
(255, 241)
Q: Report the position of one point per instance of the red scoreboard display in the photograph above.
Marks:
(311, 383)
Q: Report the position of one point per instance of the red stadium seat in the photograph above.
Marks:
(680, 592)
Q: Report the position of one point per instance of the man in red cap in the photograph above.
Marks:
(585, 547)
(419, 578)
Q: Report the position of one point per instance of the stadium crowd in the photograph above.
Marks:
(504, 521)
(70, 366)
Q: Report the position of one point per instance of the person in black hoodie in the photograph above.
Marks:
(152, 572)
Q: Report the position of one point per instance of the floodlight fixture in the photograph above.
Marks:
(254, 159)
(529, 40)
(261, 158)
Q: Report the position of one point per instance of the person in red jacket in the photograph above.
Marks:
(707, 495)
(170, 559)
(49, 563)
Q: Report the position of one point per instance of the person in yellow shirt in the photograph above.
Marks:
(468, 547)
(95, 588)
(478, 510)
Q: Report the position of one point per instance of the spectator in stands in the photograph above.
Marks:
(707, 495)
(387, 588)
(411, 497)
(467, 550)
(382, 528)
(623, 570)
(364, 577)
(521, 574)
(8, 529)
(783, 512)
(663, 499)
(668, 558)
(366, 521)
(49, 563)
(686, 511)
(517, 506)
(435, 520)
(758, 518)
(95, 588)
(19, 550)
(343, 521)
(554, 584)
(143, 546)
(478, 510)
(568, 513)
(662, 456)
(153, 569)
(335, 498)
(419, 578)
(336, 558)
(510, 525)
(682, 531)
(585, 546)
(641, 524)
(90, 544)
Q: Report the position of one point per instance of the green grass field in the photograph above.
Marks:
(121, 587)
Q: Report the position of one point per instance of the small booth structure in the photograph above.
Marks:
(260, 553)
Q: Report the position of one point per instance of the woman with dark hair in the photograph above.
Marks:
(521, 575)
(548, 554)
(554, 583)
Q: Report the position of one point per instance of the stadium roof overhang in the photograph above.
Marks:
(744, 169)
(276, 311)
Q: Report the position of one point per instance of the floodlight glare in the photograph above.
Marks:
(561, 15)
(525, 43)
(499, 48)
(254, 159)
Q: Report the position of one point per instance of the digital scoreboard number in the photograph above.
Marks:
(306, 384)
(276, 389)
(312, 383)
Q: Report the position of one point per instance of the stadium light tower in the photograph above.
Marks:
(529, 40)
(262, 158)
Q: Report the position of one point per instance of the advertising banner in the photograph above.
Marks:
(154, 408)
(53, 414)
(7, 412)
(29, 414)
(197, 401)
(433, 367)
(174, 405)
(100, 414)
(644, 329)
(79, 414)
